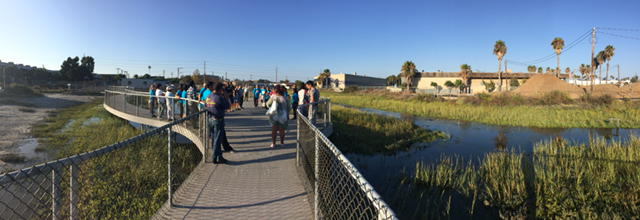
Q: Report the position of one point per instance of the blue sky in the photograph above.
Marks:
(304, 37)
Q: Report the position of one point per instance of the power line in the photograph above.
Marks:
(619, 35)
(618, 29)
(552, 55)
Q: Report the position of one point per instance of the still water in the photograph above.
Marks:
(470, 140)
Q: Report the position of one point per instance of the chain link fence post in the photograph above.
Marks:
(73, 193)
(316, 171)
(55, 194)
(169, 167)
(297, 138)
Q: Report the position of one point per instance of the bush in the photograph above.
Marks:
(351, 89)
(503, 99)
(19, 90)
(555, 98)
(603, 100)
(428, 98)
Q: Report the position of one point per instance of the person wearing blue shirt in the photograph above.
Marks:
(294, 102)
(216, 106)
(204, 94)
(152, 100)
(256, 96)
(184, 101)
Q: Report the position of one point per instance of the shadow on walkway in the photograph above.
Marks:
(240, 206)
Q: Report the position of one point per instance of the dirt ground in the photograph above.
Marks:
(16, 143)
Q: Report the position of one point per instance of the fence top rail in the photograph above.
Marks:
(138, 93)
(78, 158)
(376, 199)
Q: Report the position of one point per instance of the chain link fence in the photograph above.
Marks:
(339, 190)
(128, 179)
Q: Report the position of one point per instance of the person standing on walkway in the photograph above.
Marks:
(216, 106)
(314, 98)
(278, 113)
(294, 102)
(161, 101)
(256, 96)
(183, 100)
(152, 100)
(204, 93)
(170, 103)
(303, 101)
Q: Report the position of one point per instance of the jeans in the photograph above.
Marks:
(219, 136)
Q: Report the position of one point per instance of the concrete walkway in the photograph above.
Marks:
(258, 183)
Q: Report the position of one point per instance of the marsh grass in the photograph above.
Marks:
(129, 183)
(366, 133)
(541, 116)
(600, 180)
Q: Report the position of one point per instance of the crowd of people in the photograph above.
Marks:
(171, 102)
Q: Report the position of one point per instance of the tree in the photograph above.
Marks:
(72, 70)
(531, 69)
(558, 45)
(449, 85)
(392, 80)
(599, 60)
(585, 70)
(408, 71)
(465, 69)
(324, 77)
(299, 84)
(514, 83)
(548, 70)
(634, 79)
(196, 77)
(500, 49)
(135, 76)
(146, 76)
(489, 86)
(436, 87)
(459, 84)
(609, 51)
(539, 69)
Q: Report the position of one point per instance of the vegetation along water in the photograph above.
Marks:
(551, 111)
(128, 183)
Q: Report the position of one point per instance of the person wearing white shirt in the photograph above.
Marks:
(170, 103)
(161, 101)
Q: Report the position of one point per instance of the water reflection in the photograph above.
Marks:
(471, 140)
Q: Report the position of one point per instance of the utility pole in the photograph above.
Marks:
(226, 77)
(618, 65)
(179, 72)
(276, 73)
(593, 51)
(163, 75)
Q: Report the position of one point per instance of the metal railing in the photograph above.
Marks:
(339, 189)
(95, 185)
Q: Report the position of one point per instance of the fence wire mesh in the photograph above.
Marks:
(129, 179)
(340, 191)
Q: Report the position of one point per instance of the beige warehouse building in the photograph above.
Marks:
(423, 80)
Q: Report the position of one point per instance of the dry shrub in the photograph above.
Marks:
(555, 98)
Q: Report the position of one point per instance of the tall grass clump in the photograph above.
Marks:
(129, 183)
(600, 180)
(503, 110)
(366, 133)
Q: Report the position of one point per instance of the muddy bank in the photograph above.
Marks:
(17, 146)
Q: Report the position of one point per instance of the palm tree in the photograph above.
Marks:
(500, 49)
(449, 85)
(539, 69)
(609, 51)
(585, 70)
(435, 86)
(408, 71)
(599, 60)
(558, 45)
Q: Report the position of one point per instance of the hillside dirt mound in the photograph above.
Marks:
(630, 91)
(541, 84)
(607, 89)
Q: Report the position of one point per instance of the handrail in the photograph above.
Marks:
(383, 210)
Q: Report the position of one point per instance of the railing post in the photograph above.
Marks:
(316, 172)
(73, 193)
(124, 102)
(297, 138)
(55, 194)
(329, 109)
(169, 167)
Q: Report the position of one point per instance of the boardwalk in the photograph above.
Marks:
(258, 183)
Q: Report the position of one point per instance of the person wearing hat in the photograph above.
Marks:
(170, 103)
